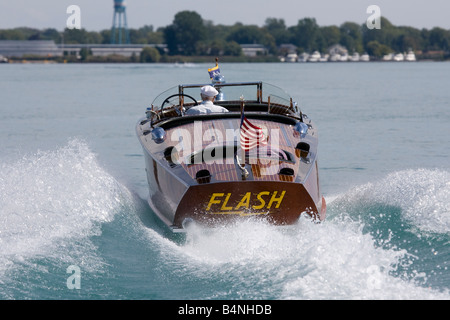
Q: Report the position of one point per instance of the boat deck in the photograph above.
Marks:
(217, 137)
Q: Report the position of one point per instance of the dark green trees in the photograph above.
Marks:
(185, 32)
(189, 34)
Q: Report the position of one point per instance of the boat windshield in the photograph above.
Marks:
(229, 93)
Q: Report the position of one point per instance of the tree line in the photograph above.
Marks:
(190, 35)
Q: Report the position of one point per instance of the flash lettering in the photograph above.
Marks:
(247, 201)
(275, 199)
(261, 200)
(224, 205)
(213, 200)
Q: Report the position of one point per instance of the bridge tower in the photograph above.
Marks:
(120, 23)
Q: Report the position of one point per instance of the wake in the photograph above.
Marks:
(52, 202)
(344, 257)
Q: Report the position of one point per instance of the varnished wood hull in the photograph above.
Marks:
(176, 195)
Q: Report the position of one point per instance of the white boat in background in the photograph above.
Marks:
(303, 57)
(355, 57)
(388, 57)
(399, 57)
(344, 58)
(291, 57)
(335, 57)
(324, 58)
(410, 56)
(365, 58)
(3, 59)
(315, 57)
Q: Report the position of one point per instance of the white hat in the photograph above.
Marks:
(209, 91)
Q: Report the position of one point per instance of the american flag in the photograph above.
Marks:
(251, 136)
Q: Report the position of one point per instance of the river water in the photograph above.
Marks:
(73, 188)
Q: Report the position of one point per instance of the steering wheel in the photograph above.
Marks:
(178, 95)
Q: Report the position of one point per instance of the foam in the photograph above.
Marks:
(422, 194)
(336, 259)
(51, 202)
(331, 260)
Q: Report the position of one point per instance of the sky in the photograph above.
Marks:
(97, 15)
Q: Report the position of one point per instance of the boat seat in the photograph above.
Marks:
(279, 110)
(168, 123)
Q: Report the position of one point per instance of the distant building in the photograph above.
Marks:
(19, 49)
(253, 50)
(287, 48)
(126, 50)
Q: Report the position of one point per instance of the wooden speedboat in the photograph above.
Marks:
(207, 169)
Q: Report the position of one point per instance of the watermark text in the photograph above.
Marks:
(374, 20)
(74, 20)
(74, 280)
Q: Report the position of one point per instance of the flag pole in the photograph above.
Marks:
(242, 164)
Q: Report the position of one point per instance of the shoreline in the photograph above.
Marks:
(48, 61)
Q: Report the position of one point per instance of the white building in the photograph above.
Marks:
(253, 50)
(17, 48)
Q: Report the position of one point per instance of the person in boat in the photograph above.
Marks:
(208, 94)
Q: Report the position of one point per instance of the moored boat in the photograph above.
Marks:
(399, 57)
(258, 159)
(315, 57)
(292, 57)
(411, 56)
(365, 58)
(355, 57)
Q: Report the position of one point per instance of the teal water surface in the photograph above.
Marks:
(73, 188)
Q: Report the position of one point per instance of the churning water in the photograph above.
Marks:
(73, 189)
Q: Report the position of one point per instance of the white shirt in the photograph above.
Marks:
(206, 107)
